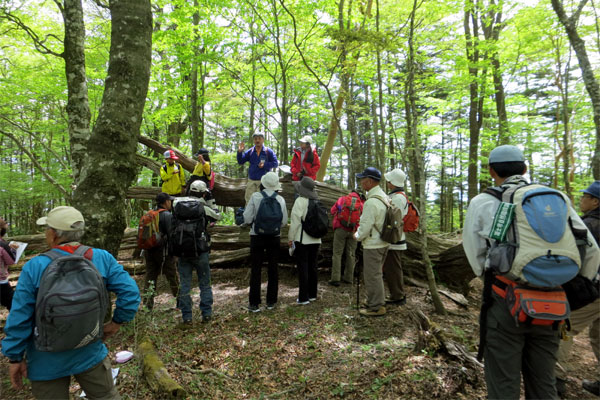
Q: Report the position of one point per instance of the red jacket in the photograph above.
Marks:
(336, 209)
(310, 166)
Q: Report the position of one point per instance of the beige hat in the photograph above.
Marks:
(306, 139)
(270, 181)
(62, 218)
(396, 177)
(198, 186)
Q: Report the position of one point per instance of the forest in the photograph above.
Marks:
(95, 90)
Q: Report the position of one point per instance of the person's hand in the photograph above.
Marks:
(241, 147)
(299, 174)
(17, 372)
(110, 329)
(261, 164)
(13, 245)
(290, 243)
(201, 159)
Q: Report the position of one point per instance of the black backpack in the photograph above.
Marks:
(188, 236)
(71, 303)
(268, 217)
(316, 222)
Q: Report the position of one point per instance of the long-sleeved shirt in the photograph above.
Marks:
(296, 233)
(371, 220)
(7, 257)
(43, 365)
(172, 182)
(307, 162)
(254, 158)
(478, 223)
(254, 203)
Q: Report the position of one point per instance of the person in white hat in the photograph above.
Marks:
(50, 371)
(305, 161)
(261, 159)
(171, 174)
(392, 266)
(265, 234)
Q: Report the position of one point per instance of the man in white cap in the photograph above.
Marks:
(190, 241)
(50, 371)
(305, 161)
(262, 160)
(171, 174)
(512, 349)
(267, 214)
(392, 266)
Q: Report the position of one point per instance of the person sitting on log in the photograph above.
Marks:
(262, 160)
(203, 171)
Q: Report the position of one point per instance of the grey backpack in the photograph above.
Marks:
(71, 303)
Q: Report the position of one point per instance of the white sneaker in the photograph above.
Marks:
(302, 303)
(311, 299)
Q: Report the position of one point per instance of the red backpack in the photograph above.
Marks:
(411, 218)
(148, 233)
(350, 213)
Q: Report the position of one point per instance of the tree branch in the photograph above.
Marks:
(37, 41)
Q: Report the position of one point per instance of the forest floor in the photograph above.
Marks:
(324, 350)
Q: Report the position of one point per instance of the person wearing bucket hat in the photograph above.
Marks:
(392, 266)
(526, 351)
(158, 260)
(374, 249)
(584, 299)
(261, 159)
(49, 371)
(305, 161)
(306, 246)
(266, 213)
(171, 175)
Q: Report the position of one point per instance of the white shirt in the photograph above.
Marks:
(298, 215)
(252, 209)
(371, 220)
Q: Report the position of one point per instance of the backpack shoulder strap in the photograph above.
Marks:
(52, 254)
(382, 200)
(495, 191)
(81, 250)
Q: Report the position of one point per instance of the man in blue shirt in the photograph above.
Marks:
(262, 160)
(50, 372)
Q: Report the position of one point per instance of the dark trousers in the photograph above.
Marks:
(6, 295)
(157, 262)
(512, 352)
(306, 260)
(258, 246)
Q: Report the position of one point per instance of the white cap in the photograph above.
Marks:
(396, 177)
(270, 180)
(198, 186)
(62, 218)
(306, 139)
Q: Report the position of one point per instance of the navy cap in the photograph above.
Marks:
(200, 151)
(593, 190)
(506, 153)
(370, 172)
(162, 197)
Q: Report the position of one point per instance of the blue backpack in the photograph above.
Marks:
(268, 217)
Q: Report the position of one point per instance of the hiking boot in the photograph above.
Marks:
(591, 386)
(372, 313)
(334, 283)
(399, 302)
(270, 306)
(302, 303)
(206, 318)
(311, 299)
(561, 388)
(253, 309)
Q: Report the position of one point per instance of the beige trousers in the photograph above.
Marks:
(343, 240)
(373, 276)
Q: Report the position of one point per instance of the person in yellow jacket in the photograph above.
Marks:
(171, 174)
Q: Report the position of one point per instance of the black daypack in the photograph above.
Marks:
(269, 215)
(316, 222)
(71, 303)
(188, 236)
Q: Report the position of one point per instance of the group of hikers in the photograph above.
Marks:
(538, 259)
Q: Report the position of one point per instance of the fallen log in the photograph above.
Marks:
(156, 374)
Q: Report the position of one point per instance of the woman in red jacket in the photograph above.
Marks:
(305, 161)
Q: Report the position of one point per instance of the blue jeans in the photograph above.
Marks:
(186, 267)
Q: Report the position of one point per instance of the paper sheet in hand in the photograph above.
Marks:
(20, 250)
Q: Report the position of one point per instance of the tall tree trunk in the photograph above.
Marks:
(194, 117)
(475, 93)
(78, 108)
(591, 83)
(110, 166)
(411, 115)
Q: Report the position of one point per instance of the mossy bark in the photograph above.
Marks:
(156, 374)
